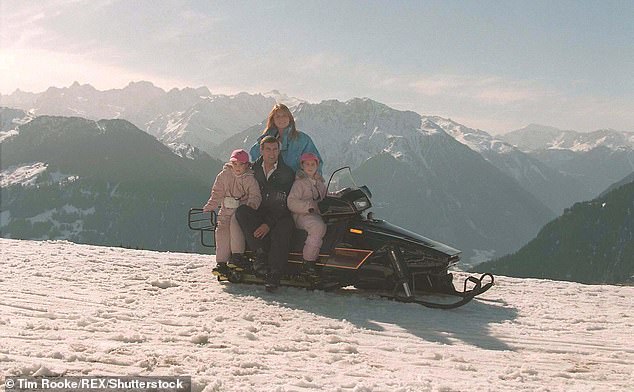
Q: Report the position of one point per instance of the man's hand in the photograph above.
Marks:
(261, 231)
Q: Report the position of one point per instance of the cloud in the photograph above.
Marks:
(62, 69)
(318, 62)
(54, 43)
(185, 25)
(493, 90)
(496, 104)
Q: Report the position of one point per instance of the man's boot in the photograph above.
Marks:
(272, 281)
(260, 266)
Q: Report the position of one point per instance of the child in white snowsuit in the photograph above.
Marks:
(308, 189)
(235, 185)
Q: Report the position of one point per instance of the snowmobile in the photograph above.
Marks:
(362, 252)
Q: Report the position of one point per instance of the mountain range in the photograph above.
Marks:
(100, 182)
(556, 189)
(556, 166)
(421, 177)
(192, 116)
(597, 159)
(486, 195)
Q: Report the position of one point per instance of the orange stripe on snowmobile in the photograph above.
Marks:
(345, 258)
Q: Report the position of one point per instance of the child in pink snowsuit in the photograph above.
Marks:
(235, 185)
(308, 189)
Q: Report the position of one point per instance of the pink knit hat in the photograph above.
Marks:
(308, 156)
(239, 156)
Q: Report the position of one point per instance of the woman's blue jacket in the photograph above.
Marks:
(290, 148)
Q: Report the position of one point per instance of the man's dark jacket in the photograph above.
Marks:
(274, 191)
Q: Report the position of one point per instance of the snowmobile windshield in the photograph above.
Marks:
(341, 181)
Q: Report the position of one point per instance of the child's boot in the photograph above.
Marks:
(310, 267)
(221, 269)
(237, 262)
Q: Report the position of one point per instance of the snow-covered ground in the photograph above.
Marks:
(69, 309)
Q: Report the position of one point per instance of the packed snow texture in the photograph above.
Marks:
(70, 309)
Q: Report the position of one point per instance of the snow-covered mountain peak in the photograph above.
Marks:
(430, 127)
(370, 106)
(538, 137)
(584, 142)
(365, 101)
(348, 133)
(354, 117)
(201, 92)
(280, 97)
(76, 90)
(142, 84)
(475, 139)
(19, 99)
(185, 150)
(210, 120)
(543, 129)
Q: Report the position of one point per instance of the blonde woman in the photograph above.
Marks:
(293, 143)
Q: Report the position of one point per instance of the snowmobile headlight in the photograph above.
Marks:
(361, 204)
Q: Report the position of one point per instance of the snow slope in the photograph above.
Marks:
(87, 310)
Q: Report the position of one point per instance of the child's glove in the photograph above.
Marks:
(231, 202)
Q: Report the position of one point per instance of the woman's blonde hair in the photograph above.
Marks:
(271, 124)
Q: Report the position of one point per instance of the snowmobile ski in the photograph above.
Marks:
(311, 282)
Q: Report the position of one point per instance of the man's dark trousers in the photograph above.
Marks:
(276, 243)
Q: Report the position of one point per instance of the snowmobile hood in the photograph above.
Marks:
(384, 228)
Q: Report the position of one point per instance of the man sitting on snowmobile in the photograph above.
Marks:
(268, 229)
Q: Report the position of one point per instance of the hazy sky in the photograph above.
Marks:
(493, 65)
